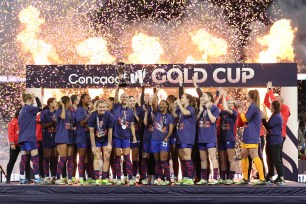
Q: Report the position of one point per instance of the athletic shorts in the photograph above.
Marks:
(226, 145)
(173, 140)
(120, 143)
(48, 146)
(205, 146)
(135, 145)
(159, 146)
(146, 147)
(184, 146)
(79, 145)
(102, 144)
(249, 146)
(28, 146)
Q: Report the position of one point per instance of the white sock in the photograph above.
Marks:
(36, 176)
(22, 176)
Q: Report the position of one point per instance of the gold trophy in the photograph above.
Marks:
(120, 69)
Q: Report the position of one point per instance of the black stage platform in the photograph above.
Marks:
(292, 192)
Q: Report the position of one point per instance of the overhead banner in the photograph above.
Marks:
(209, 75)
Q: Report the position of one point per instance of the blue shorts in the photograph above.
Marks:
(135, 145)
(102, 143)
(205, 146)
(173, 140)
(48, 146)
(28, 146)
(79, 145)
(226, 145)
(159, 146)
(184, 146)
(146, 147)
(120, 143)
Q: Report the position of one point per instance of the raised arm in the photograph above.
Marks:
(198, 89)
(183, 110)
(155, 100)
(225, 106)
(116, 99)
(142, 102)
(181, 88)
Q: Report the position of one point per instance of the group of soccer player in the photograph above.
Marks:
(105, 131)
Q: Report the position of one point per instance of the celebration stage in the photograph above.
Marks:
(292, 192)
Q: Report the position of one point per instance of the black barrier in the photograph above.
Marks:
(209, 75)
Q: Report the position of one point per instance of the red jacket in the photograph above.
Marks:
(285, 112)
(38, 128)
(13, 131)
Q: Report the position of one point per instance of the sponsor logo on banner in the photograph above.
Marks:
(230, 75)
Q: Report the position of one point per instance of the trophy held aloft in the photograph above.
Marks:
(120, 69)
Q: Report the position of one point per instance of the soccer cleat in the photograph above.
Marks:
(229, 182)
(24, 181)
(39, 181)
(157, 182)
(188, 182)
(114, 181)
(105, 182)
(221, 181)
(66, 180)
(259, 182)
(81, 182)
(119, 183)
(145, 182)
(47, 181)
(74, 180)
(213, 182)
(281, 182)
(132, 183)
(90, 181)
(53, 180)
(98, 182)
(202, 182)
(242, 182)
(60, 182)
(180, 182)
(70, 182)
(165, 183)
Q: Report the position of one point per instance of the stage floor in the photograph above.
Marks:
(292, 192)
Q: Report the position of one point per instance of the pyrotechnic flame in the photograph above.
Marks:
(146, 50)
(278, 43)
(210, 46)
(95, 49)
(42, 52)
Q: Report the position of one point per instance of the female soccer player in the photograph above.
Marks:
(160, 142)
(207, 136)
(27, 137)
(75, 100)
(249, 145)
(13, 134)
(138, 117)
(122, 131)
(100, 125)
(65, 139)
(48, 123)
(186, 128)
(148, 121)
(227, 139)
(274, 143)
(81, 116)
